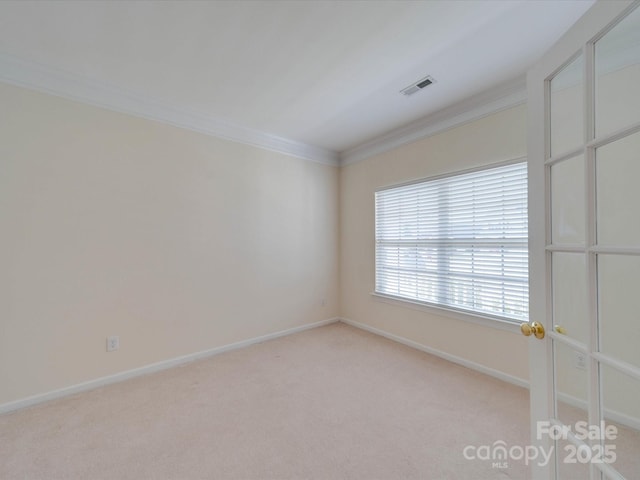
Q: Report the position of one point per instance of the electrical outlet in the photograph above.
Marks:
(580, 360)
(113, 343)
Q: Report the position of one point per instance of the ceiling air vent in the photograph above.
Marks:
(417, 86)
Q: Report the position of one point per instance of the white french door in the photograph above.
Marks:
(584, 186)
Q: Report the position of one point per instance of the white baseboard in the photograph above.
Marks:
(446, 356)
(610, 415)
(173, 362)
(154, 367)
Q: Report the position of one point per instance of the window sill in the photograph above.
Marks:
(487, 321)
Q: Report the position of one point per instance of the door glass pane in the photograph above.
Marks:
(567, 201)
(569, 289)
(617, 63)
(617, 192)
(569, 466)
(618, 305)
(571, 384)
(567, 107)
(621, 408)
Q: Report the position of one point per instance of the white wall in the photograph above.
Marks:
(173, 240)
(495, 138)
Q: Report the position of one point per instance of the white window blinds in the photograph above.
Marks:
(458, 242)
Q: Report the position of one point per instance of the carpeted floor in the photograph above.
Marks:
(330, 403)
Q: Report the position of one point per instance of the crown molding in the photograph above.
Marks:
(499, 98)
(34, 76)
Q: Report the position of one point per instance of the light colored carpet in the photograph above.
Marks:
(330, 403)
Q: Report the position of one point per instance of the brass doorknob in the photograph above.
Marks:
(560, 329)
(534, 328)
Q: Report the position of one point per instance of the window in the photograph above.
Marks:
(458, 242)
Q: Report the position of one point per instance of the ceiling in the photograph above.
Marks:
(321, 73)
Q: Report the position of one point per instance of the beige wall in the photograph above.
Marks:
(495, 138)
(179, 242)
(175, 241)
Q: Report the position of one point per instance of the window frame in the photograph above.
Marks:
(482, 318)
